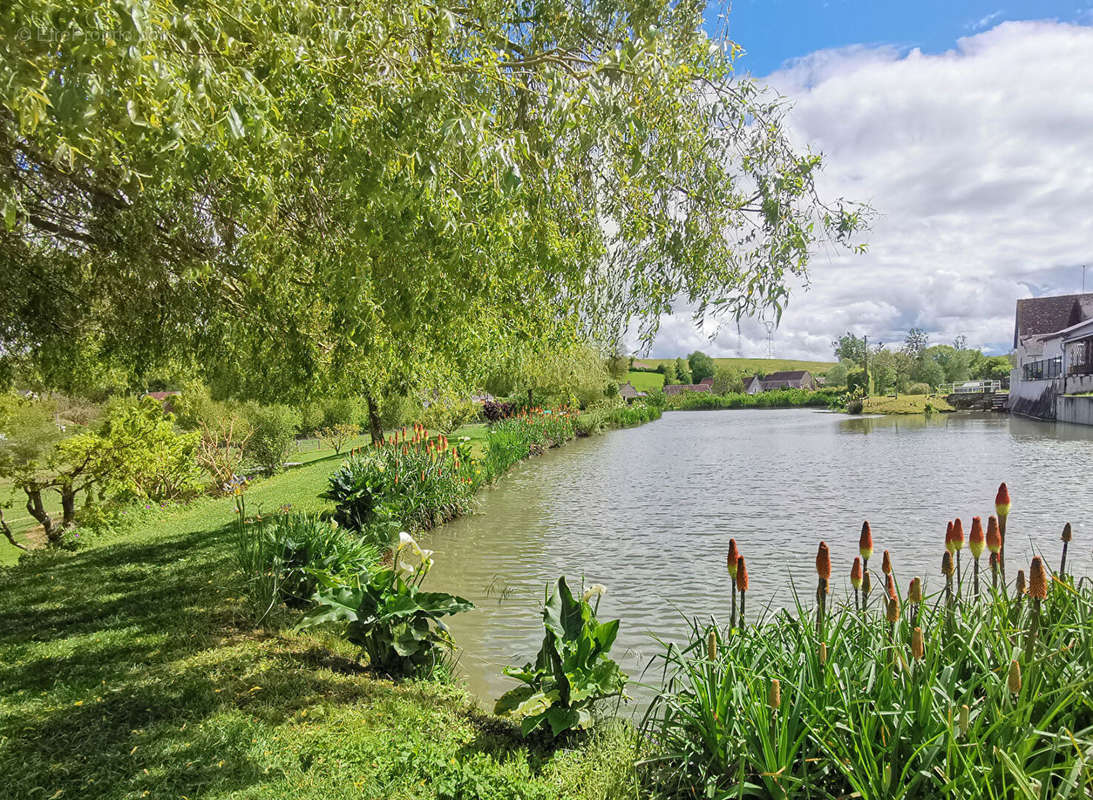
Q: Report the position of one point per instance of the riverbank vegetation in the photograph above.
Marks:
(906, 404)
(980, 689)
(777, 398)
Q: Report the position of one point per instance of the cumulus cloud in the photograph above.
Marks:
(979, 162)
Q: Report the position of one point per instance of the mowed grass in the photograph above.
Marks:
(133, 668)
(27, 530)
(755, 366)
(646, 381)
(905, 404)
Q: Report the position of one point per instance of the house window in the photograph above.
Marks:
(1043, 370)
(1079, 356)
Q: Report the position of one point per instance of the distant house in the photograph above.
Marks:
(706, 382)
(1053, 343)
(680, 388)
(752, 385)
(628, 393)
(789, 379)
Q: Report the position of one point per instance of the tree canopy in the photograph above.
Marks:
(375, 195)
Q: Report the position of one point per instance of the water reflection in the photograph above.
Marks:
(649, 512)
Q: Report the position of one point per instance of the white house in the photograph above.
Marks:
(1053, 339)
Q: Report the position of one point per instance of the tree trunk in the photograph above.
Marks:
(36, 508)
(7, 532)
(68, 507)
(375, 427)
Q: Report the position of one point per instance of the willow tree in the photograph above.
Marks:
(380, 195)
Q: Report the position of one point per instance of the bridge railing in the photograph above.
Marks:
(970, 387)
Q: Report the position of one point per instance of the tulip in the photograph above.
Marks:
(1068, 535)
(733, 558)
(976, 542)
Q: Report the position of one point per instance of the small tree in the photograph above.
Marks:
(726, 380)
(702, 366)
(668, 370)
(274, 434)
(683, 371)
(340, 434)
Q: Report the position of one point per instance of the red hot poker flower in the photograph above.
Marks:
(734, 554)
(855, 574)
(994, 536)
(1037, 579)
(890, 585)
(886, 563)
(1002, 500)
(741, 575)
(823, 562)
(949, 536)
(958, 534)
(976, 540)
(865, 542)
(947, 563)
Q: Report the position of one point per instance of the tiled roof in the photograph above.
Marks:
(680, 388)
(628, 392)
(1040, 315)
(162, 395)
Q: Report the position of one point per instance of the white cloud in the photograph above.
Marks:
(980, 164)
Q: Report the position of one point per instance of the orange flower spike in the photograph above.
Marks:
(893, 610)
(947, 563)
(741, 575)
(949, 536)
(890, 585)
(731, 560)
(856, 574)
(914, 591)
(886, 564)
(1022, 587)
(865, 542)
(1037, 580)
(1002, 501)
(994, 536)
(958, 534)
(976, 540)
(823, 562)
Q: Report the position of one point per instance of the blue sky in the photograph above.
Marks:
(774, 31)
(968, 127)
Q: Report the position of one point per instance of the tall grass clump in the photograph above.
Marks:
(524, 434)
(778, 398)
(982, 696)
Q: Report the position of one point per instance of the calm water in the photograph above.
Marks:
(649, 512)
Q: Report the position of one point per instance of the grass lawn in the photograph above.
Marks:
(752, 366)
(133, 668)
(646, 381)
(905, 404)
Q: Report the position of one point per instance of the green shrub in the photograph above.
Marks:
(273, 434)
(390, 618)
(572, 672)
(517, 437)
(304, 553)
(150, 459)
(918, 388)
(402, 485)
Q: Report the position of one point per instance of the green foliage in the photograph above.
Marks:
(856, 381)
(668, 369)
(390, 618)
(683, 371)
(402, 485)
(454, 192)
(646, 381)
(872, 720)
(777, 398)
(149, 459)
(446, 411)
(573, 670)
(339, 434)
(518, 437)
(850, 347)
(836, 376)
(727, 380)
(287, 557)
(273, 434)
(701, 366)
(918, 388)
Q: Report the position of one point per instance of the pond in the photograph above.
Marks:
(649, 511)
